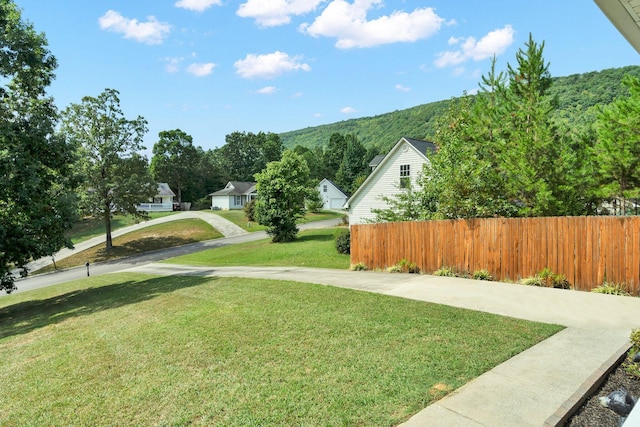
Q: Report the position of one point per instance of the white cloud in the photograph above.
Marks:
(268, 66)
(402, 88)
(271, 13)
(494, 43)
(348, 110)
(197, 5)
(173, 64)
(267, 90)
(201, 70)
(348, 23)
(150, 32)
(297, 95)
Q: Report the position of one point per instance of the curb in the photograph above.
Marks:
(591, 384)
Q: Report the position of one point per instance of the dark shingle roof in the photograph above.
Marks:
(236, 188)
(422, 146)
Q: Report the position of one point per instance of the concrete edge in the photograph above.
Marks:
(588, 387)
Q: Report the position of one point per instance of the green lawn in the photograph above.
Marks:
(154, 237)
(87, 228)
(312, 248)
(239, 218)
(130, 349)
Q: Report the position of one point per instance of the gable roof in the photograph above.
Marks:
(376, 160)
(335, 185)
(421, 147)
(625, 16)
(165, 190)
(236, 188)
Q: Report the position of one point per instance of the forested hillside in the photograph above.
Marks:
(576, 94)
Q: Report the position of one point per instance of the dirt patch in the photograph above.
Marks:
(592, 413)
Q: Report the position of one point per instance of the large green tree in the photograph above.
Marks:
(116, 175)
(175, 162)
(282, 187)
(618, 147)
(244, 154)
(36, 202)
(354, 164)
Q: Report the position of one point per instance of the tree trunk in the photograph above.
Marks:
(107, 226)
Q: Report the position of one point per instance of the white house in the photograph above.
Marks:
(396, 170)
(161, 202)
(332, 195)
(235, 195)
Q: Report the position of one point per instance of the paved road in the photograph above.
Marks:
(227, 228)
(49, 279)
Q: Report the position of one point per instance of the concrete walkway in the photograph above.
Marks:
(225, 227)
(537, 387)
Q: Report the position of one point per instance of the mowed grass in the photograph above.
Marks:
(239, 218)
(154, 237)
(312, 248)
(130, 349)
(87, 228)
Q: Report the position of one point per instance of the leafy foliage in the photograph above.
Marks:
(245, 154)
(618, 147)
(174, 157)
(36, 200)
(343, 241)
(282, 188)
(116, 176)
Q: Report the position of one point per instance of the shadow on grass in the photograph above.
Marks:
(135, 247)
(314, 238)
(27, 316)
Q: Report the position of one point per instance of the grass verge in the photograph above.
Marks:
(240, 219)
(87, 228)
(312, 248)
(131, 349)
(166, 235)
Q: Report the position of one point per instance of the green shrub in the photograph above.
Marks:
(611, 288)
(249, 210)
(445, 272)
(629, 366)
(343, 241)
(359, 267)
(547, 278)
(404, 266)
(482, 275)
(533, 281)
(313, 202)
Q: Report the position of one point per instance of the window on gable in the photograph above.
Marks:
(324, 188)
(405, 176)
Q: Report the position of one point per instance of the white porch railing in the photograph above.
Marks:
(155, 207)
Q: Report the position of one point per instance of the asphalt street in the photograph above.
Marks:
(62, 276)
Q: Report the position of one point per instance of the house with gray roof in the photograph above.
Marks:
(394, 172)
(235, 195)
(161, 202)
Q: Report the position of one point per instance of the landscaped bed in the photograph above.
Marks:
(130, 349)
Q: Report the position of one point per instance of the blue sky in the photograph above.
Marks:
(212, 67)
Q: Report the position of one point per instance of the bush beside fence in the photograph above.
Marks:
(587, 250)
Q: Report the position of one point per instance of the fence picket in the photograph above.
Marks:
(584, 249)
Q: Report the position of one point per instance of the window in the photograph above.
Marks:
(324, 188)
(237, 200)
(405, 176)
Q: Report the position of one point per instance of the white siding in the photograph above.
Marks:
(220, 202)
(385, 180)
(333, 198)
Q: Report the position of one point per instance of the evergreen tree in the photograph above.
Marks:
(618, 146)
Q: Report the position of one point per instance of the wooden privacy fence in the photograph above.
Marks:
(587, 250)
